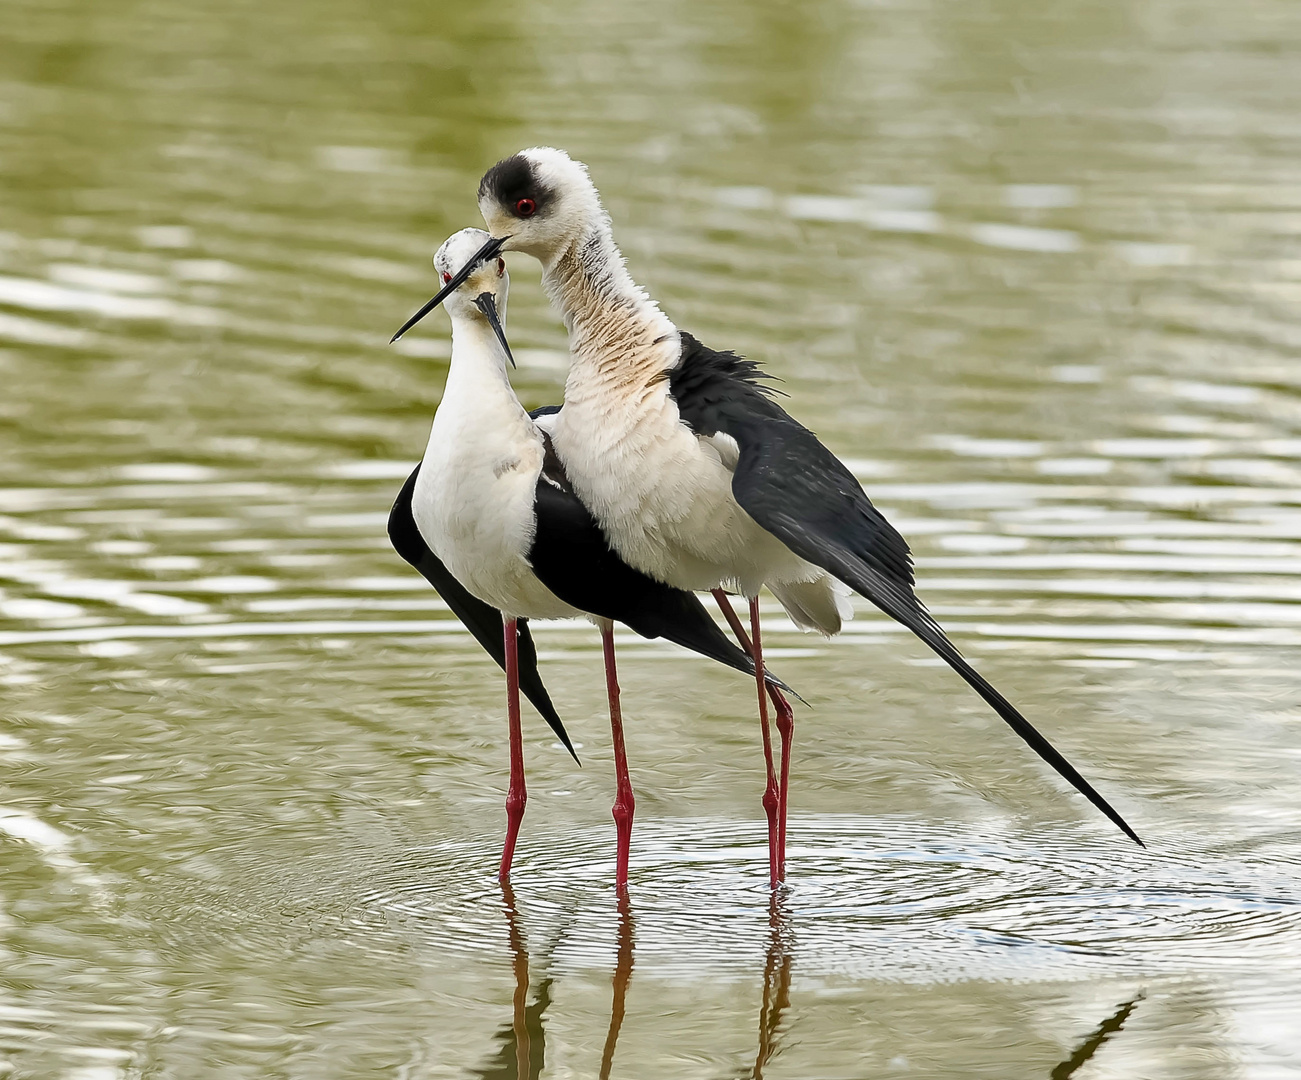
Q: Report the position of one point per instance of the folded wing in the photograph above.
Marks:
(798, 490)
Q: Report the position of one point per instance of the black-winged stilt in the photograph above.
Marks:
(490, 519)
(694, 473)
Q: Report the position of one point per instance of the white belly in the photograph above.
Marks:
(664, 497)
(474, 508)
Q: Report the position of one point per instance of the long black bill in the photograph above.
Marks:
(485, 303)
(488, 251)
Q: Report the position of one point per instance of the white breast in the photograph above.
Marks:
(474, 506)
(664, 495)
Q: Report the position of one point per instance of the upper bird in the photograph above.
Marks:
(491, 509)
(697, 476)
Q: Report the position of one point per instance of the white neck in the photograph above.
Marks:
(478, 394)
(475, 497)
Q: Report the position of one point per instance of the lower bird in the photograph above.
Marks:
(490, 519)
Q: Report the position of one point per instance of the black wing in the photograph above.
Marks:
(804, 495)
(571, 557)
(482, 620)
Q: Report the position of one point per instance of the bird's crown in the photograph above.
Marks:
(458, 249)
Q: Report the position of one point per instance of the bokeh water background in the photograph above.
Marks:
(1033, 270)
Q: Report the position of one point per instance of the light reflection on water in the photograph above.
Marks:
(1031, 272)
(872, 899)
(879, 906)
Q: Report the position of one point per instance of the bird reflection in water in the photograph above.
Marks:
(776, 983)
(522, 1052)
(622, 977)
(1100, 1034)
(523, 1045)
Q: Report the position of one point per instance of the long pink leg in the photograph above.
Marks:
(785, 728)
(516, 795)
(771, 794)
(624, 803)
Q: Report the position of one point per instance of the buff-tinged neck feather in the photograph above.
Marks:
(619, 340)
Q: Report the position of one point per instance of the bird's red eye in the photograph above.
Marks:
(501, 267)
(526, 208)
(447, 278)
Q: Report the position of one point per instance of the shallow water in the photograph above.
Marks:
(1032, 270)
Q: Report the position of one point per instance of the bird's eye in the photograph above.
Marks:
(501, 267)
(447, 278)
(526, 208)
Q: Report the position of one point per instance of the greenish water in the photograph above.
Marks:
(1034, 270)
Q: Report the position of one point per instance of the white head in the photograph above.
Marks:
(540, 201)
(475, 283)
(488, 276)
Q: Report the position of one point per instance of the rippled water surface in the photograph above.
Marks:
(1033, 270)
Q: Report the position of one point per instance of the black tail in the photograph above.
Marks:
(482, 620)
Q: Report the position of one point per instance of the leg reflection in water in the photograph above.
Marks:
(776, 983)
(522, 1053)
(622, 976)
(524, 1043)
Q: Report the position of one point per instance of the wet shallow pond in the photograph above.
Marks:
(1032, 270)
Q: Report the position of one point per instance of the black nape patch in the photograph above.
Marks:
(513, 179)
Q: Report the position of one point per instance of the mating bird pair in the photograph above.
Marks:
(669, 470)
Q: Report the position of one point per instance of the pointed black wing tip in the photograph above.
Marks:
(1108, 811)
(1009, 714)
(558, 729)
(1083, 787)
(563, 737)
